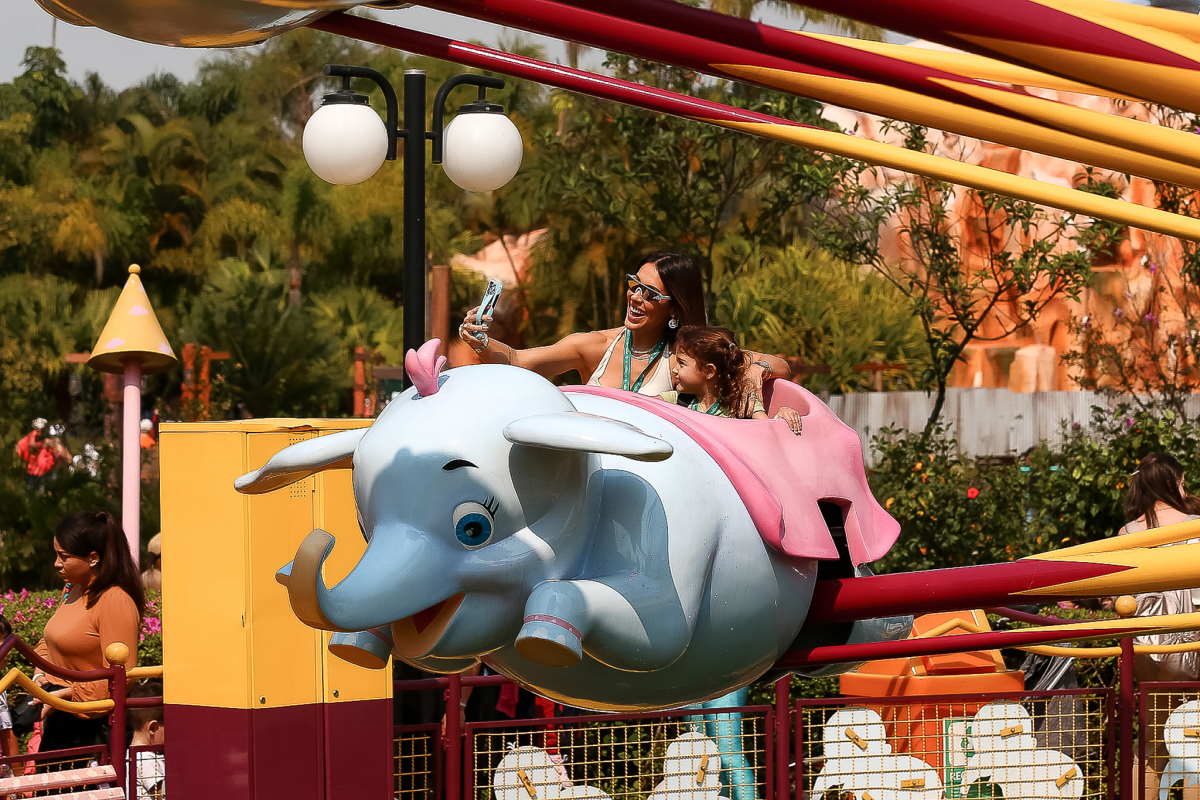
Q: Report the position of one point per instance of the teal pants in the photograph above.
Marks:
(737, 776)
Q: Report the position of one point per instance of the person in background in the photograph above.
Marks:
(145, 726)
(8, 739)
(56, 447)
(152, 574)
(29, 449)
(102, 604)
(1156, 496)
(147, 439)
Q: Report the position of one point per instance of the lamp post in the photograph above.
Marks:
(345, 142)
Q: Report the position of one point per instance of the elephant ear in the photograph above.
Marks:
(586, 433)
(291, 464)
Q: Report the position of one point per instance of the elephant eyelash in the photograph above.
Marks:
(492, 505)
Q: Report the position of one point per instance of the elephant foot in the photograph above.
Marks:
(367, 649)
(549, 641)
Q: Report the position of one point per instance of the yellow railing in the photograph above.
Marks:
(15, 677)
(115, 653)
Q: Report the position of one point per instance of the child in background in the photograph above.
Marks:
(707, 368)
(145, 727)
(8, 739)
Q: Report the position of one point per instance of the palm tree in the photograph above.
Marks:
(306, 211)
(158, 167)
(80, 234)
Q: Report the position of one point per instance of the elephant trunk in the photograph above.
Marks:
(394, 578)
(305, 585)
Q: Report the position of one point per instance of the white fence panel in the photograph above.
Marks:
(986, 422)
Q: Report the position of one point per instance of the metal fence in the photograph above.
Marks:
(622, 756)
(1022, 745)
(1129, 741)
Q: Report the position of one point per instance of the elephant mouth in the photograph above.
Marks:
(415, 635)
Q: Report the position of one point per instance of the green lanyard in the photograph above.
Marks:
(628, 362)
(714, 409)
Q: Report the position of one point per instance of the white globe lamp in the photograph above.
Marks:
(482, 148)
(345, 142)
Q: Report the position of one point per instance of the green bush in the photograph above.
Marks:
(955, 510)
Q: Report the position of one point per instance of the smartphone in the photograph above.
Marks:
(491, 295)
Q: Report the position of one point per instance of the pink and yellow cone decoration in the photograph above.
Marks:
(132, 344)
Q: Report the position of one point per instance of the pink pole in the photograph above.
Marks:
(131, 457)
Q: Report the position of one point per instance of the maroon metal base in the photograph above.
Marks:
(340, 751)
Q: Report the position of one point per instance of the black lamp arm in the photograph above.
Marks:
(484, 82)
(389, 97)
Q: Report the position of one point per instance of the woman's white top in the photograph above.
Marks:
(656, 382)
(1177, 601)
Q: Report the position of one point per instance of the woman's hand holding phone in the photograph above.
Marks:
(475, 334)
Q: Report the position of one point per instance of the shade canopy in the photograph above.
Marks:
(132, 333)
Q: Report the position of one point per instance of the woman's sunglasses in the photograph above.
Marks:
(648, 292)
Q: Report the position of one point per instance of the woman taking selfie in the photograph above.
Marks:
(102, 603)
(663, 293)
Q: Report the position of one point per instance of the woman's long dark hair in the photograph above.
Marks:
(680, 274)
(87, 532)
(1157, 481)
(716, 346)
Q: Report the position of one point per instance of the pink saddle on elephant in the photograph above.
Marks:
(782, 477)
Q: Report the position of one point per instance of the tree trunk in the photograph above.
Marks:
(936, 413)
(294, 274)
(98, 259)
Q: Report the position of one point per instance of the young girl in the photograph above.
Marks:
(707, 369)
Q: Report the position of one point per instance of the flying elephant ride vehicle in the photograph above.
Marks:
(614, 551)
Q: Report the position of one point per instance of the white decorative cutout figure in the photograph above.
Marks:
(859, 759)
(691, 770)
(530, 773)
(1181, 733)
(1007, 754)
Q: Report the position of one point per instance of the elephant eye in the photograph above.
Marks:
(473, 523)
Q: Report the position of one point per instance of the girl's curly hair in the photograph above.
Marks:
(716, 346)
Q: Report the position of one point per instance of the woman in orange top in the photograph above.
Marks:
(102, 604)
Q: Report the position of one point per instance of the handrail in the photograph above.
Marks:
(53, 669)
(1025, 616)
(1086, 652)
(15, 676)
(16, 642)
(1105, 652)
(148, 671)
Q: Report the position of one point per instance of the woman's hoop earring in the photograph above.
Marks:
(672, 323)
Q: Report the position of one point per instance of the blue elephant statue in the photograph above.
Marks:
(607, 550)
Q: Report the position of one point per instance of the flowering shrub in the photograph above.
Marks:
(30, 611)
(955, 510)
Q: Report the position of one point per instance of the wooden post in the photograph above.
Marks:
(439, 304)
(360, 381)
(187, 389)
